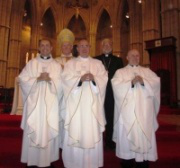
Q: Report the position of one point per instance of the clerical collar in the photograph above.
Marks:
(45, 57)
(133, 65)
(84, 58)
(106, 55)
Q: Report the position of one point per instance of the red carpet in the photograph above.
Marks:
(168, 110)
(168, 141)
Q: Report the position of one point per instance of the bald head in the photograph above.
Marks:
(133, 57)
(83, 48)
(106, 46)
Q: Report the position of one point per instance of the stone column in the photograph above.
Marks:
(170, 27)
(150, 24)
(136, 27)
(14, 43)
(116, 40)
(92, 40)
(35, 37)
(5, 14)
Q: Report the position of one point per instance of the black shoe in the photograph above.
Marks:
(127, 163)
(52, 166)
(144, 164)
(111, 145)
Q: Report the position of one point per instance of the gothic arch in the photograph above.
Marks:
(33, 10)
(96, 22)
(104, 29)
(78, 27)
(48, 28)
(70, 16)
(55, 17)
(119, 16)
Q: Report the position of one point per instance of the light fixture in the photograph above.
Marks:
(111, 26)
(41, 24)
(127, 15)
(25, 13)
(141, 1)
(75, 4)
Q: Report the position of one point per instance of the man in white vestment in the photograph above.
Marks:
(66, 39)
(137, 101)
(84, 84)
(41, 86)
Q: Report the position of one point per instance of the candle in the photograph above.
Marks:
(27, 56)
(32, 56)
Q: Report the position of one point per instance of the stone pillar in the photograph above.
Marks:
(14, 43)
(58, 46)
(150, 24)
(92, 40)
(170, 27)
(5, 14)
(35, 37)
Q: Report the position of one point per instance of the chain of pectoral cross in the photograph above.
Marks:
(106, 65)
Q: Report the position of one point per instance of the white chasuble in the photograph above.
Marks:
(84, 117)
(62, 60)
(41, 117)
(136, 109)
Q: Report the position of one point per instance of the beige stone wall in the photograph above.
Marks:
(144, 24)
(5, 8)
(14, 45)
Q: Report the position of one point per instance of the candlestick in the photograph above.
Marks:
(32, 56)
(27, 56)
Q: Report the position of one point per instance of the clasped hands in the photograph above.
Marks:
(44, 77)
(138, 79)
(87, 77)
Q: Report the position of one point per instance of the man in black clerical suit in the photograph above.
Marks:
(111, 64)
